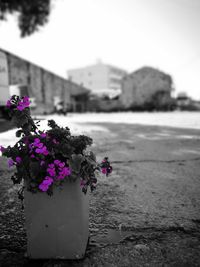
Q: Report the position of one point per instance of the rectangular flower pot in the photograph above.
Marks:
(57, 226)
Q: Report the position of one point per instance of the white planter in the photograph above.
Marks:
(58, 225)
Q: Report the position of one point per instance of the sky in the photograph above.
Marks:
(128, 34)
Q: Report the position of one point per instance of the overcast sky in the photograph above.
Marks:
(126, 33)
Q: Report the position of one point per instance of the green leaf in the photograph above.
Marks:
(73, 177)
(75, 162)
(92, 156)
(34, 169)
(19, 133)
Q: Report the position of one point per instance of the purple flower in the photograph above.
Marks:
(48, 180)
(43, 135)
(36, 141)
(51, 171)
(60, 177)
(82, 183)
(51, 165)
(18, 160)
(57, 162)
(104, 170)
(20, 107)
(38, 150)
(42, 150)
(31, 147)
(45, 151)
(65, 171)
(44, 186)
(26, 101)
(61, 165)
(25, 98)
(10, 163)
(40, 145)
(42, 162)
(2, 149)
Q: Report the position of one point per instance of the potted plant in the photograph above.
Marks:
(55, 170)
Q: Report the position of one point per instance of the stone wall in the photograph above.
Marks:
(42, 84)
(35, 82)
(18, 70)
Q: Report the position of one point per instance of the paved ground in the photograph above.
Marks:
(146, 214)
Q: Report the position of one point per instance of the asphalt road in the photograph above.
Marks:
(147, 213)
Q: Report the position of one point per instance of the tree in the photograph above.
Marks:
(31, 13)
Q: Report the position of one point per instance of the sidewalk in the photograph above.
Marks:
(147, 213)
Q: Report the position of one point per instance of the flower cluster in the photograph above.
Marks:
(106, 168)
(12, 162)
(58, 169)
(20, 105)
(45, 159)
(44, 186)
(38, 147)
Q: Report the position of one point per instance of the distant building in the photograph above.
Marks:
(146, 88)
(101, 79)
(183, 100)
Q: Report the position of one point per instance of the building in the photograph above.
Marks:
(43, 86)
(100, 78)
(147, 88)
(184, 102)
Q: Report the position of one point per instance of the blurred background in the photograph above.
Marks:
(126, 72)
(100, 55)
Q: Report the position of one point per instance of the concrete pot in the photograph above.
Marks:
(57, 226)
